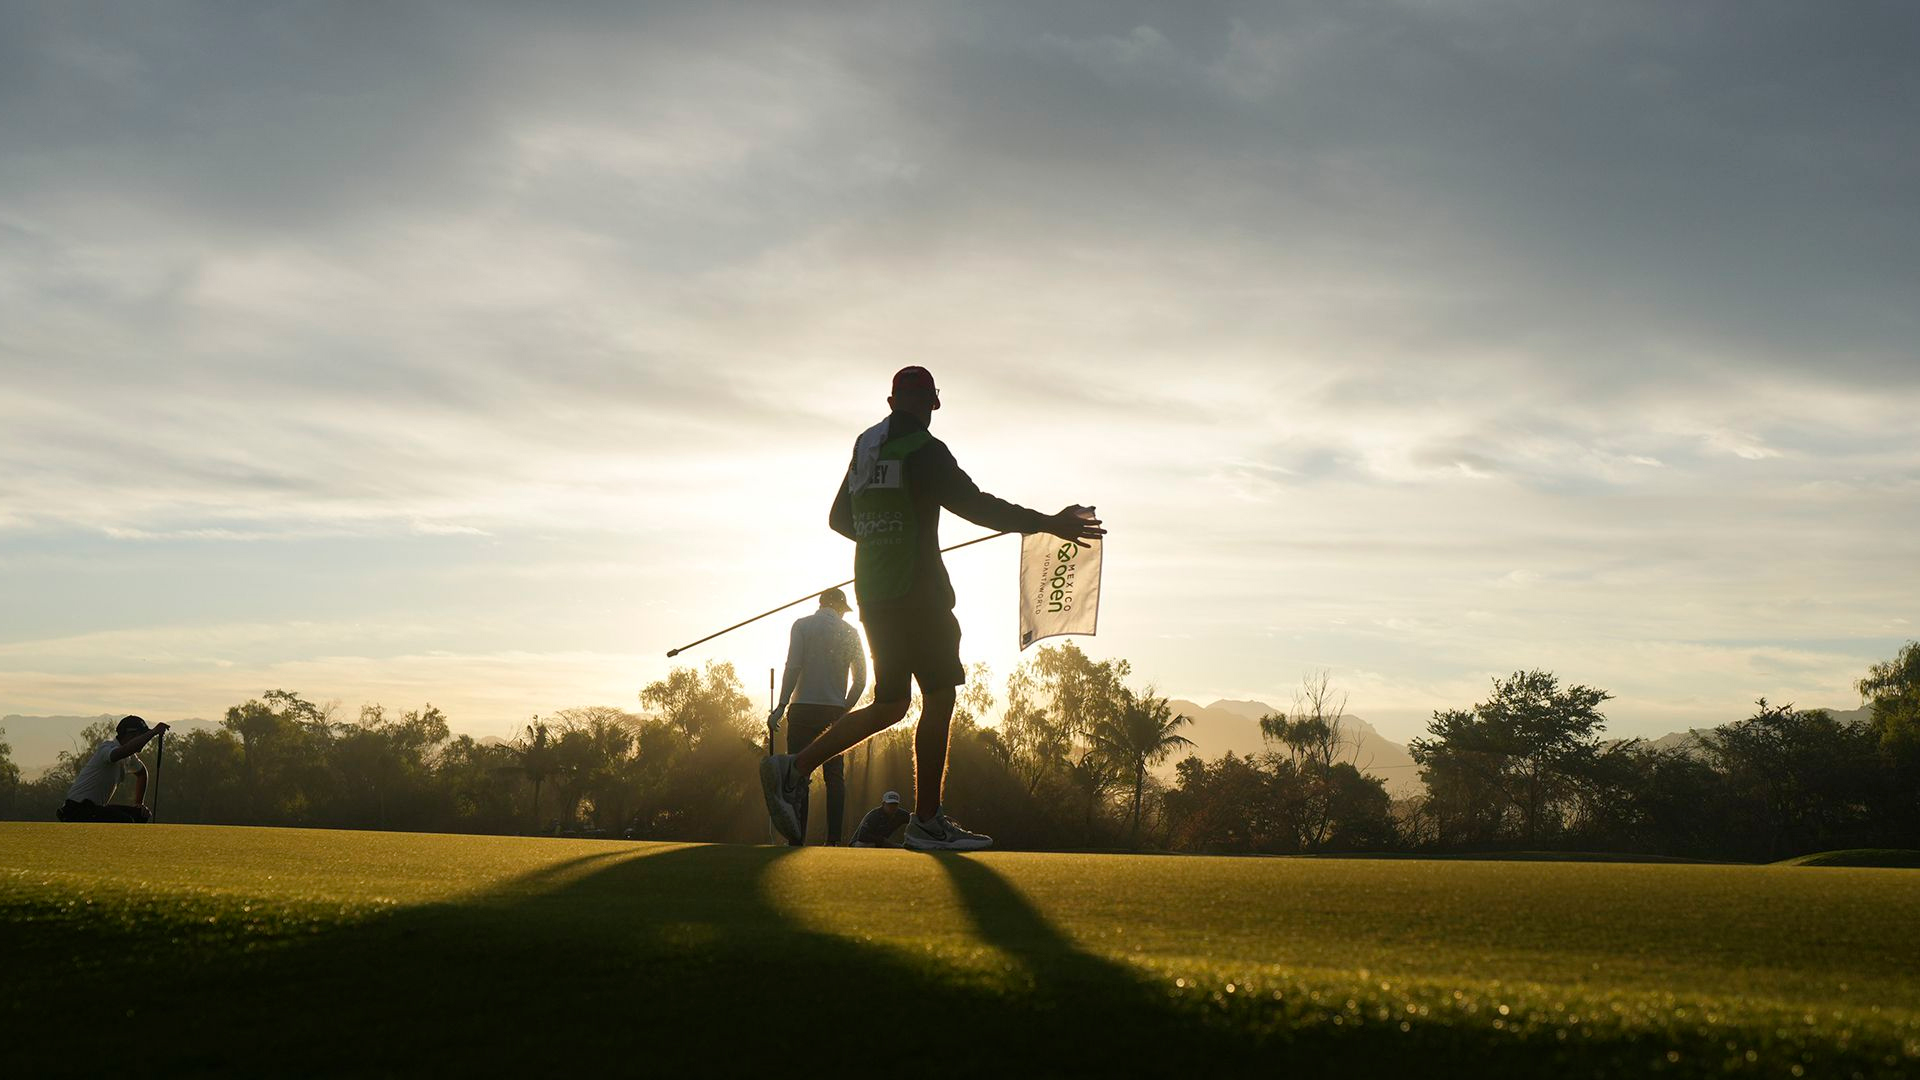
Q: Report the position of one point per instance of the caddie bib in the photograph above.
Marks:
(885, 530)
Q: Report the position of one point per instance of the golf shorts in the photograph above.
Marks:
(913, 645)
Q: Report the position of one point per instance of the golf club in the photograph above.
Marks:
(671, 653)
(772, 833)
(160, 759)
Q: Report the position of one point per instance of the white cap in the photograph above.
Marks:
(892, 798)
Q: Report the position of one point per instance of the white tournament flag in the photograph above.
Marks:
(1059, 587)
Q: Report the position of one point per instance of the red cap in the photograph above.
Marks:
(915, 380)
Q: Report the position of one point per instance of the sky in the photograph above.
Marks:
(479, 354)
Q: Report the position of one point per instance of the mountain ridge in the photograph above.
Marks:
(38, 740)
(1233, 726)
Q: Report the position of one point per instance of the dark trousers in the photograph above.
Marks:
(88, 810)
(804, 724)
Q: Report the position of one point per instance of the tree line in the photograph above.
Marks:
(1078, 759)
(1529, 768)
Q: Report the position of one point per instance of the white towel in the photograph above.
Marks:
(866, 454)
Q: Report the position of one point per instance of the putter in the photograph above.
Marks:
(160, 759)
(772, 833)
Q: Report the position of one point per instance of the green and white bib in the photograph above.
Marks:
(885, 530)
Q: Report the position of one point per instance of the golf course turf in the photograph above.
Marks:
(286, 951)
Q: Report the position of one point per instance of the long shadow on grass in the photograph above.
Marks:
(675, 963)
(1061, 974)
(669, 960)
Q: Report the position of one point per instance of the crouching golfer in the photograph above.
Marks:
(822, 652)
(89, 799)
(889, 506)
(881, 822)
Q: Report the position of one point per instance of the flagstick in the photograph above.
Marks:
(153, 811)
(671, 653)
(770, 738)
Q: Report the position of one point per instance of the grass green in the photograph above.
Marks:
(230, 950)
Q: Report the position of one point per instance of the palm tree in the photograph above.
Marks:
(1142, 734)
(536, 762)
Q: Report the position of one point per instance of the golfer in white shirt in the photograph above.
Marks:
(822, 655)
(91, 796)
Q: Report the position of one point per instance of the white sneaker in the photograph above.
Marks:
(778, 787)
(941, 834)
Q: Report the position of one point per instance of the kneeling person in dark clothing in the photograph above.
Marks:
(881, 822)
(89, 799)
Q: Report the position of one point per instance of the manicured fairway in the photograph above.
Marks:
(270, 952)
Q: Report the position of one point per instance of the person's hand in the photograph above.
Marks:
(773, 721)
(162, 728)
(1076, 523)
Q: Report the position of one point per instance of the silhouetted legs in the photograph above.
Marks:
(929, 743)
(930, 751)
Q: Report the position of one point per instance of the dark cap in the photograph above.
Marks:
(836, 600)
(130, 725)
(915, 380)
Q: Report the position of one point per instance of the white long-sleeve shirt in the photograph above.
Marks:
(821, 653)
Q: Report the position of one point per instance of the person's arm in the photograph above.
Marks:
(127, 750)
(840, 518)
(859, 663)
(790, 680)
(140, 786)
(958, 493)
(896, 819)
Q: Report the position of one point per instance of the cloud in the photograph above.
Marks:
(1740, 446)
(560, 310)
(432, 528)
